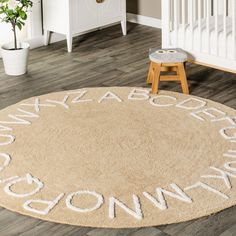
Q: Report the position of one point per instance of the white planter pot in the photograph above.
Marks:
(15, 61)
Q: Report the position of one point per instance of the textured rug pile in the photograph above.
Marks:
(117, 157)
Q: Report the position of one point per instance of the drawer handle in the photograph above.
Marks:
(100, 1)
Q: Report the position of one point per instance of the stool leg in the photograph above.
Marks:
(156, 78)
(177, 70)
(150, 74)
(183, 78)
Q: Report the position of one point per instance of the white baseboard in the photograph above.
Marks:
(144, 20)
(35, 42)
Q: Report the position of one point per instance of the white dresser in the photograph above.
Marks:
(75, 17)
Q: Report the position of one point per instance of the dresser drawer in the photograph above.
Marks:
(85, 15)
(109, 11)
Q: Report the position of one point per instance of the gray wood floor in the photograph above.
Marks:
(105, 58)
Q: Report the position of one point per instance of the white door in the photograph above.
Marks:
(85, 15)
(110, 11)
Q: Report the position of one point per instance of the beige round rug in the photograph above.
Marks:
(116, 157)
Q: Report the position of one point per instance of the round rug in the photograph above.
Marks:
(117, 157)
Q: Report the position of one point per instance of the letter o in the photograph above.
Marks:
(10, 140)
(99, 203)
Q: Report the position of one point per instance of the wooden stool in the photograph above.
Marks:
(167, 61)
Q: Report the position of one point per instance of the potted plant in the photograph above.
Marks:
(15, 54)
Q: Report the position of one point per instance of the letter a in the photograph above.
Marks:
(109, 95)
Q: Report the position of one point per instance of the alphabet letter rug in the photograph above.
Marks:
(117, 157)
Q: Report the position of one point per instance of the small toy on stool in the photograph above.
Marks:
(166, 60)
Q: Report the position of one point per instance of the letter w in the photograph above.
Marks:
(17, 119)
(160, 201)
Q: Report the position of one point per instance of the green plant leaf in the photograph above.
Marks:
(17, 15)
(23, 15)
(19, 25)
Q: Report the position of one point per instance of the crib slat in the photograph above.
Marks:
(166, 19)
(216, 11)
(225, 28)
(194, 10)
(234, 28)
(208, 12)
(190, 12)
(205, 9)
(176, 22)
(184, 22)
(200, 24)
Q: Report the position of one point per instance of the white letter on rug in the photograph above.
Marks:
(224, 176)
(230, 153)
(109, 95)
(227, 166)
(37, 105)
(206, 187)
(184, 104)
(5, 128)
(225, 135)
(137, 213)
(153, 101)
(229, 119)
(18, 118)
(160, 201)
(62, 103)
(29, 179)
(207, 113)
(10, 140)
(139, 94)
(50, 205)
(7, 160)
(3, 181)
(78, 98)
(99, 203)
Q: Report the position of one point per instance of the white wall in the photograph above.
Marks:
(6, 34)
(149, 8)
(28, 32)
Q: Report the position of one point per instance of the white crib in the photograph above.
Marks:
(206, 29)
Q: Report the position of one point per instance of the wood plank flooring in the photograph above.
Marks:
(105, 58)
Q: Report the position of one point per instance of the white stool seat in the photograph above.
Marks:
(168, 56)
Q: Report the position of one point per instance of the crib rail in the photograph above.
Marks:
(216, 19)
